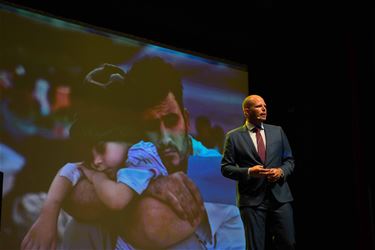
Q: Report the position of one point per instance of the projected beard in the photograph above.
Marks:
(167, 127)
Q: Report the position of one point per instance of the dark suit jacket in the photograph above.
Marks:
(240, 154)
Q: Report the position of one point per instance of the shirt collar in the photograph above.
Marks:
(251, 126)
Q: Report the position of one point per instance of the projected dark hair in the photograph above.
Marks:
(151, 80)
(103, 90)
(103, 115)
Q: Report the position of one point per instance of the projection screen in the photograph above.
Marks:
(43, 66)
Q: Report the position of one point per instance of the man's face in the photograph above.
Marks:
(256, 112)
(167, 127)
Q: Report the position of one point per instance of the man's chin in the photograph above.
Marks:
(172, 163)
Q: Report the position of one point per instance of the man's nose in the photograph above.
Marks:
(165, 137)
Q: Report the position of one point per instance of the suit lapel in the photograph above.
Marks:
(267, 133)
(250, 145)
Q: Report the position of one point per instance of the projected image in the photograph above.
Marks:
(116, 133)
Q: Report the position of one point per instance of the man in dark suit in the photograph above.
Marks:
(259, 157)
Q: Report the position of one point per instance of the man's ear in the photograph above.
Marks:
(187, 119)
(246, 112)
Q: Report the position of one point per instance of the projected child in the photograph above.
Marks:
(108, 154)
(111, 148)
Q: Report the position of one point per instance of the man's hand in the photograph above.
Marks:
(274, 174)
(152, 224)
(258, 171)
(180, 193)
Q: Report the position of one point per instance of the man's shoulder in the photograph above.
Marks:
(200, 150)
(236, 130)
(271, 126)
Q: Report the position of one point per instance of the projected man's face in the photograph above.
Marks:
(167, 127)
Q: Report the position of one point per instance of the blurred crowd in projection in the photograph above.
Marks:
(212, 136)
(36, 113)
(37, 109)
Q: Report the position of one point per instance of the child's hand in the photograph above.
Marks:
(42, 235)
(89, 173)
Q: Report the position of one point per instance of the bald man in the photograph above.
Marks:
(258, 156)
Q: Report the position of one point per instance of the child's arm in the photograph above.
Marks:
(115, 196)
(42, 234)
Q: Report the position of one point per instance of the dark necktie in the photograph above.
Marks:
(260, 145)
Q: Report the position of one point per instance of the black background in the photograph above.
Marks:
(314, 68)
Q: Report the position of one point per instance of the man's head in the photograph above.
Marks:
(158, 98)
(254, 109)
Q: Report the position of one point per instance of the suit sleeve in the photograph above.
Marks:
(229, 167)
(287, 157)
